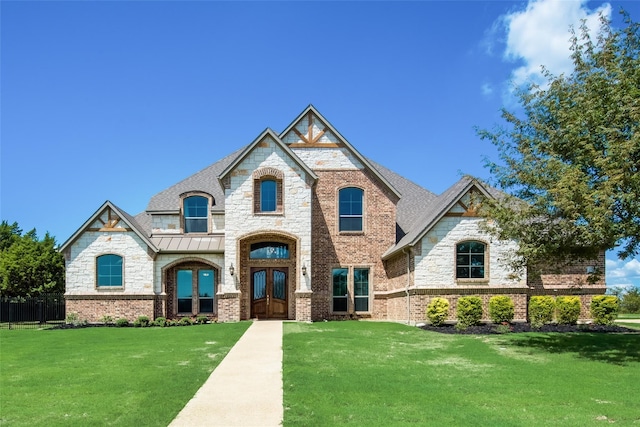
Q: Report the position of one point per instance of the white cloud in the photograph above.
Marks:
(622, 273)
(539, 35)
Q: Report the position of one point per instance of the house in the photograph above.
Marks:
(299, 225)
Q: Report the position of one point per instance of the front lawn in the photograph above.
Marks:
(384, 374)
(107, 376)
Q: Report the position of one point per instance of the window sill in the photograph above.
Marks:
(109, 288)
(472, 281)
(351, 233)
(277, 213)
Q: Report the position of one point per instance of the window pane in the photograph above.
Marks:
(362, 304)
(340, 304)
(109, 270)
(268, 195)
(205, 283)
(184, 305)
(361, 281)
(195, 214)
(195, 225)
(185, 284)
(350, 224)
(462, 272)
(477, 260)
(279, 285)
(463, 247)
(476, 247)
(260, 284)
(340, 282)
(206, 305)
(269, 250)
(477, 272)
(350, 206)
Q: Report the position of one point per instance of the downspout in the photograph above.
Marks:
(408, 252)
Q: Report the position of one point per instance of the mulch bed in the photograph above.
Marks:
(490, 328)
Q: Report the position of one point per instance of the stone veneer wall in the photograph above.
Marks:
(333, 249)
(134, 299)
(435, 267)
(294, 221)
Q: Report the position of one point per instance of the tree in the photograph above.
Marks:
(29, 266)
(570, 161)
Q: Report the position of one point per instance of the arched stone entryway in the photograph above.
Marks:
(268, 275)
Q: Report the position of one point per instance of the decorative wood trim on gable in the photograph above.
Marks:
(475, 202)
(112, 221)
(310, 140)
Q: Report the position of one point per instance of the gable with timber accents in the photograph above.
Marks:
(310, 131)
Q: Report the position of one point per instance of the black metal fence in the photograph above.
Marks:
(31, 312)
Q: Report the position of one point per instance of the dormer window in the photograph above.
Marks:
(196, 214)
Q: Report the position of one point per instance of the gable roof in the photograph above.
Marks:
(343, 141)
(249, 148)
(435, 210)
(124, 216)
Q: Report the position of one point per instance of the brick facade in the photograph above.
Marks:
(332, 248)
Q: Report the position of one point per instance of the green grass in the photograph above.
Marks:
(629, 316)
(382, 374)
(106, 376)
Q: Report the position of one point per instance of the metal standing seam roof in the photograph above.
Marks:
(180, 243)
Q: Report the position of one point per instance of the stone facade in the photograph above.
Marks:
(407, 245)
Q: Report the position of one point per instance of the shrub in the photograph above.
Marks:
(106, 319)
(604, 309)
(469, 311)
(72, 319)
(160, 321)
(122, 322)
(541, 310)
(501, 309)
(438, 311)
(201, 320)
(185, 321)
(568, 310)
(141, 322)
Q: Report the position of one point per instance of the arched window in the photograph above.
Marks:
(195, 214)
(267, 191)
(109, 270)
(350, 207)
(269, 250)
(470, 260)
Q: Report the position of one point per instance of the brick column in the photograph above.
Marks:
(229, 306)
(303, 306)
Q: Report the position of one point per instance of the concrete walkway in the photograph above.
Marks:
(246, 387)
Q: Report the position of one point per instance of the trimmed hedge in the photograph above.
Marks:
(541, 310)
(604, 309)
(438, 311)
(469, 311)
(568, 310)
(501, 309)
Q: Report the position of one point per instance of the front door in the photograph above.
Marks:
(269, 292)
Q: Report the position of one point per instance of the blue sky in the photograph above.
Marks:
(119, 100)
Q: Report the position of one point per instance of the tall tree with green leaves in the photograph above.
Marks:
(570, 159)
(29, 266)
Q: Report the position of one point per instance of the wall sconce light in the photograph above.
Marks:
(231, 269)
(304, 270)
(591, 269)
